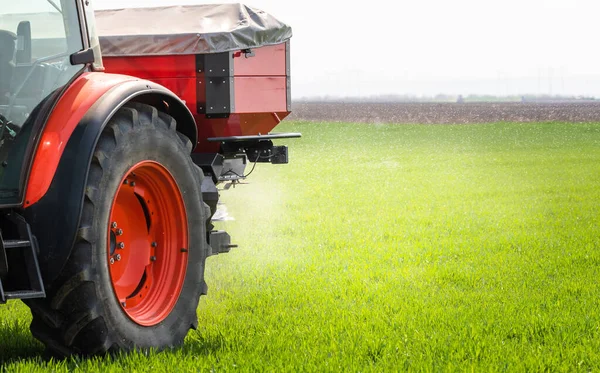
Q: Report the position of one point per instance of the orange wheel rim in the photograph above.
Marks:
(147, 243)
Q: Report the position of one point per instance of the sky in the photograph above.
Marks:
(429, 47)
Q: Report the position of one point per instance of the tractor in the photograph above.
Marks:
(115, 133)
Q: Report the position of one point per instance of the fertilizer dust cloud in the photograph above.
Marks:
(251, 212)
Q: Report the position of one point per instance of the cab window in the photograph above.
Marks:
(37, 38)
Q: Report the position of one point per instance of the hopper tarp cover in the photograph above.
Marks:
(192, 29)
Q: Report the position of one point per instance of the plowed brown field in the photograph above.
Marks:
(433, 113)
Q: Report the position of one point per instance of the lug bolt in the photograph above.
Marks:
(121, 245)
(119, 232)
(118, 257)
(154, 244)
(114, 224)
(132, 183)
(123, 304)
(126, 182)
(112, 261)
(153, 258)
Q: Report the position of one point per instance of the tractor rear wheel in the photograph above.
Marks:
(136, 271)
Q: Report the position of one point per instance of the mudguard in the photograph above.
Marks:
(54, 218)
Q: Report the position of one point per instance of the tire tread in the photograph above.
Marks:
(54, 323)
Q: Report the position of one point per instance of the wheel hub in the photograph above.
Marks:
(146, 232)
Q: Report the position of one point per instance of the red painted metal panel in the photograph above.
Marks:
(184, 88)
(268, 60)
(252, 124)
(235, 125)
(260, 94)
(177, 73)
(69, 110)
(152, 67)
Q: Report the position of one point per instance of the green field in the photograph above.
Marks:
(392, 248)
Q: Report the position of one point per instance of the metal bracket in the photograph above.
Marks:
(266, 152)
(270, 136)
(220, 242)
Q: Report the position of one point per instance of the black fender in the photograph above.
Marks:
(54, 219)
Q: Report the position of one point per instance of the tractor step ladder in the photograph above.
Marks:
(20, 255)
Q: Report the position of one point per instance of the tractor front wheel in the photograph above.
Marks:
(136, 271)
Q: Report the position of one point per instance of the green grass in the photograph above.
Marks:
(386, 248)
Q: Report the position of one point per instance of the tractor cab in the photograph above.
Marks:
(37, 40)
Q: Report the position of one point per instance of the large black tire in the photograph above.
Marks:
(81, 314)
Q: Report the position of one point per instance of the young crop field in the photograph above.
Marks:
(395, 248)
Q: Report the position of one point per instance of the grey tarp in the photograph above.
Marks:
(189, 29)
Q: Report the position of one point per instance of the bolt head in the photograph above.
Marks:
(112, 261)
(121, 245)
(153, 258)
(119, 232)
(154, 244)
(132, 183)
(118, 257)
(114, 224)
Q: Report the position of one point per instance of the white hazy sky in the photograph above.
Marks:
(426, 47)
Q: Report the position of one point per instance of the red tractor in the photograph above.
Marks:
(110, 164)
